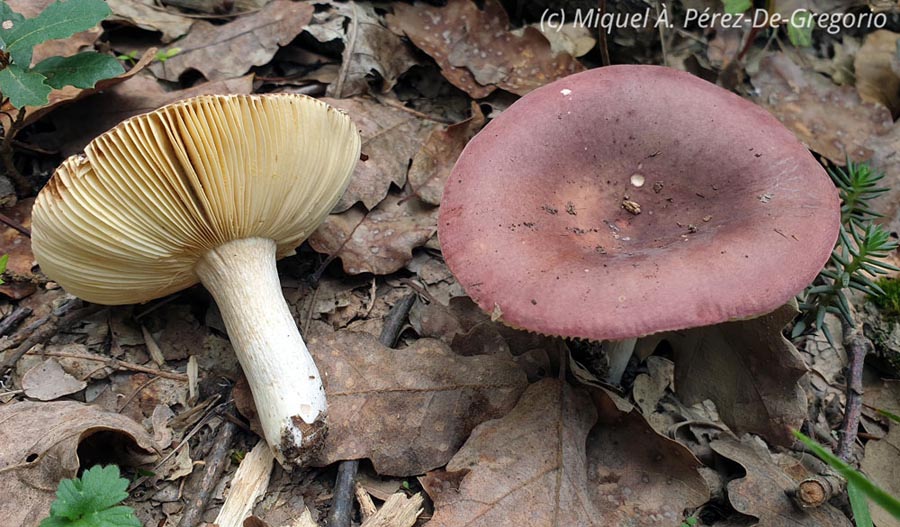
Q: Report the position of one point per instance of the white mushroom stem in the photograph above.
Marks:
(618, 353)
(286, 385)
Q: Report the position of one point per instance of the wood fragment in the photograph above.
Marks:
(397, 511)
(48, 327)
(152, 347)
(12, 320)
(250, 481)
(817, 490)
(857, 346)
(366, 505)
(201, 484)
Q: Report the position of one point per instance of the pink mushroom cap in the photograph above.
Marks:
(539, 219)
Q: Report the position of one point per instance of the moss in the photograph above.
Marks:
(889, 302)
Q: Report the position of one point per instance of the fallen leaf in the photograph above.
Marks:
(407, 409)
(380, 241)
(48, 381)
(230, 50)
(527, 468)
(78, 124)
(882, 464)
(390, 139)
(763, 491)
(145, 14)
(831, 120)
(749, 370)
(46, 442)
(573, 39)
(476, 50)
(876, 79)
(369, 47)
(650, 387)
(637, 477)
(433, 162)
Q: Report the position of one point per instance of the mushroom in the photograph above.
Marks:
(211, 189)
(630, 200)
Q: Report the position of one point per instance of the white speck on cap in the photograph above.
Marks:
(565, 91)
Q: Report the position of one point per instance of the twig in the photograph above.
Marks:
(817, 490)
(201, 485)
(15, 225)
(12, 320)
(115, 364)
(857, 346)
(344, 486)
(53, 325)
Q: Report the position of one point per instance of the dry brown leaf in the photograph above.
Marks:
(636, 476)
(79, 124)
(145, 14)
(763, 492)
(369, 47)
(829, 119)
(882, 464)
(41, 446)
(476, 50)
(390, 139)
(380, 241)
(749, 370)
(876, 80)
(527, 468)
(408, 409)
(230, 50)
(48, 381)
(432, 164)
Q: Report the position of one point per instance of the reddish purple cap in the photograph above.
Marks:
(629, 200)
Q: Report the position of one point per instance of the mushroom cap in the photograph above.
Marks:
(735, 215)
(127, 221)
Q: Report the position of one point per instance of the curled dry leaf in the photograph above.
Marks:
(829, 119)
(749, 370)
(432, 164)
(48, 381)
(146, 15)
(369, 47)
(230, 50)
(636, 476)
(41, 446)
(527, 468)
(78, 124)
(764, 491)
(408, 409)
(390, 138)
(380, 241)
(476, 50)
(877, 79)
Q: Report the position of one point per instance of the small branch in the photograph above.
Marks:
(817, 490)
(15, 225)
(53, 325)
(12, 320)
(201, 485)
(857, 346)
(344, 486)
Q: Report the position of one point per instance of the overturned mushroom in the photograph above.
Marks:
(630, 200)
(213, 189)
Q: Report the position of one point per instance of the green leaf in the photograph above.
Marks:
(860, 506)
(82, 70)
(863, 485)
(7, 17)
(23, 87)
(735, 7)
(3, 261)
(800, 34)
(61, 19)
(90, 501)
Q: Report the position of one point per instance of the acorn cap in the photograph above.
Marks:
(127, 221)
(629, 200)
